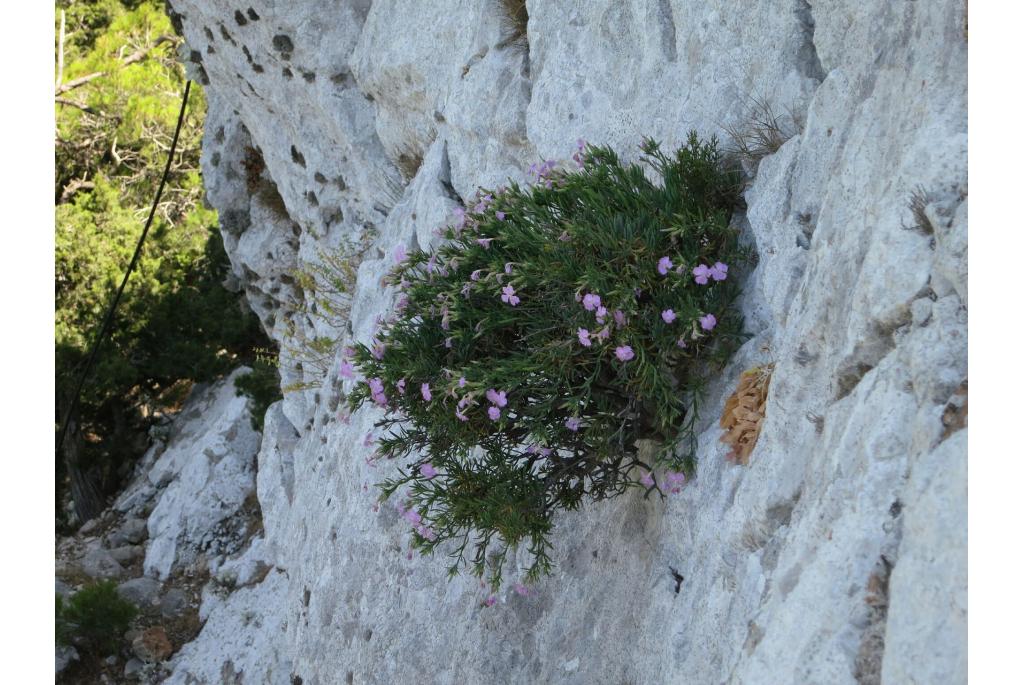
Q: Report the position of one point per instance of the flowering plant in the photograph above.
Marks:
(553, 348)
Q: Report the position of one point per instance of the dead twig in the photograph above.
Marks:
(136, 56)
(79, 105)
(73, 187)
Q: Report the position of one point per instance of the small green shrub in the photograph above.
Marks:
(95, 618)
(262, 386)
(553, 349)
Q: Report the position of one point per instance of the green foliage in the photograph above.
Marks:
(176, 321)
(327, 284)
(262, 386)
(533, 363)
(95, 618)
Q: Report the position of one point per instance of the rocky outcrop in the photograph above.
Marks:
(837, 555)
(189, 512)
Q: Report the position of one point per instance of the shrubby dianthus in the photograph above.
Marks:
(557, 342)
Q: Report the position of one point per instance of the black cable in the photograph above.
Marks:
(131, 266)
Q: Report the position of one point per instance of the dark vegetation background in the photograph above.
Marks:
(117, 95)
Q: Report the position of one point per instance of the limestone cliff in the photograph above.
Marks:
(838, 555)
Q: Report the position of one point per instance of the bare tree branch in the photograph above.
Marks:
(73, 187)
(136, 56)
(82, 106)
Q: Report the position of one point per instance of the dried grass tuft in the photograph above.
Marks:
(744, 413)
(918, 205)
(764, 132)
(514, 23)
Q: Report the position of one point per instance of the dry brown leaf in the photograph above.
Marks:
(744, 413)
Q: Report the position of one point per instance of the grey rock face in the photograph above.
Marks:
(802, 567)
(132, 532)
(99, 563)
(127, 554)
(206, 473)
(64, 657)
(133, 668)
(140, 591)
(173, 603)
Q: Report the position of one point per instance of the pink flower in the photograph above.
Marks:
(400, 385)
(475, 276)
(708, 321)
(428, 471)
(376, 385)
(521, 589)
(460, 416)
(573, 423)
(490, 601)
(508, 267)
(668, 316)
(500, 216)
(346, 370)
(647, 480)
(485, 242)
(701, 273)
(718, 271)
(584, 336)
(402, 303)
(664, 264)
(578, 155)
(368, 440)
(496, 397)
(412, 516)
(347, 352)
(604, 333)
(591, 301)
(600, 314)
(377, 350)
(681, 343)
(425, 391)
(508, 294)
(675, 480)
(564, 237)
(624, 353)
(462, 382)
(620, 318)
(494, 413)
(399, 255)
